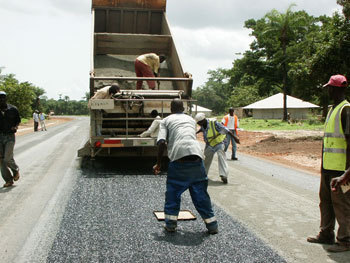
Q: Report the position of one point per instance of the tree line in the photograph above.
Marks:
(292, 52)
(28, 98)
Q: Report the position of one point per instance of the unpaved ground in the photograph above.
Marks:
(298, 149)
(28, 127)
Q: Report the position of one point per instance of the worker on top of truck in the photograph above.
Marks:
(147, 65)
(105, 93)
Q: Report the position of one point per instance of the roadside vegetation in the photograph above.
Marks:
(251, 124)
(292, 52)
(27, 97)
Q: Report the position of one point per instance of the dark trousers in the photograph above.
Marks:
(192, 176)
(7, 163)
(334, 206)
(36, 124)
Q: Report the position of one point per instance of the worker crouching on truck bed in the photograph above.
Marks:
(153, 130)
(186, 169)
(147, 65)
(105, 93)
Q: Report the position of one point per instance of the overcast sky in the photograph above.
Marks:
(47, 42)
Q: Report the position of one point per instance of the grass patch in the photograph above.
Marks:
(255, 124)
(251, 124)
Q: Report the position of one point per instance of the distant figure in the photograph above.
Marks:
(154, 128)
(147, 65)
(36, 120)
(335, 205)
(230, 121)
(214, 134)
(177, 132)
(9, 121)
(42, 121)
(105, 93)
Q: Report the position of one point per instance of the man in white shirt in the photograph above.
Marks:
(186, 169)
(36, 120)
(104, 93)
(153, 130)
(147, 65)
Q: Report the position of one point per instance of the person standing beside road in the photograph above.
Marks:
(9, 121)
(36, 120)
(214, 134)
(153, 130)
(42, 121)
(186, 169)
(147, 65)
(105, 93)
(335, 205)
(230, 121)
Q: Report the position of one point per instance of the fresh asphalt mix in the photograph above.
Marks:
(109, 218)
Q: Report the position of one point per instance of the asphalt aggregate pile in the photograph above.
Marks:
(109, 218)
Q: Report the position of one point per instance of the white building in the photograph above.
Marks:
(272, 108)
(197, 109)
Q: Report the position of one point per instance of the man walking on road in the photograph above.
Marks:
(147, 65)
(42, 121)
(9, 121)
(186, 169)
(335, 205)
(36, 120)
(214, 134)
(231, 122)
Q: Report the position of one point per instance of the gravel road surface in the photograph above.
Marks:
(64, 210)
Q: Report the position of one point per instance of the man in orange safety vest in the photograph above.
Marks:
(230, 121)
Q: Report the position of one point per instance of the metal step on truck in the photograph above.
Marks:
(121, 31)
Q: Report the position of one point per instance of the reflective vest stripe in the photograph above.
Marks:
(210, 220)
(332, 135)
(334, 150)
(170, 217)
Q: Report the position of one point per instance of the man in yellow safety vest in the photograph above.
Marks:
(214, 134)
(335, 205)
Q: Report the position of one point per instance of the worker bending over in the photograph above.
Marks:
(147, 65)
(186, 169)
(214, 134)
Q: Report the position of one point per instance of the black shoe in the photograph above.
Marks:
(213, 231)
(322, 239)
(170, 229)
(234, 158)
(223, 179)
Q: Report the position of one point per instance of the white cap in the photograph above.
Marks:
(2, 93)
(199, 117)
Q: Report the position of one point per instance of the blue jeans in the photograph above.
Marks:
(229, 139)
(192, 176)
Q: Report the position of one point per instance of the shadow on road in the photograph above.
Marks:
(106, 167)
(182, 238)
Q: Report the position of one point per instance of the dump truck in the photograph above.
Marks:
(121, 31)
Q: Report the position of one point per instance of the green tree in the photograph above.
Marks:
(19, 94)
(346, 7)
(284, 27)
(215, 92)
